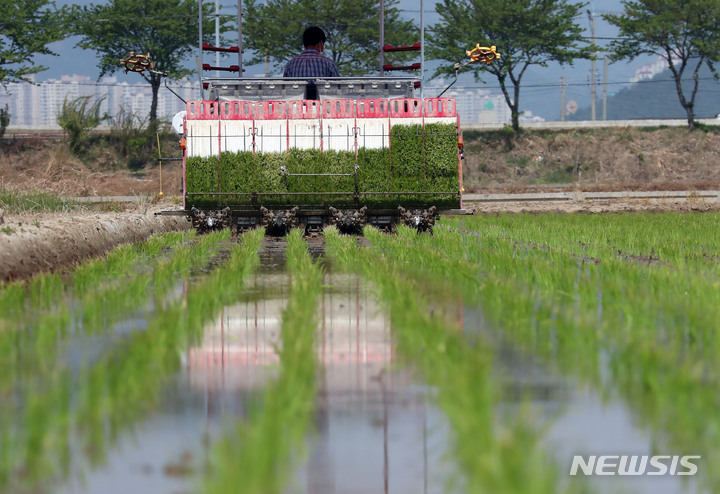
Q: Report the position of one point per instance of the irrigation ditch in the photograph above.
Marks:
(477, 359)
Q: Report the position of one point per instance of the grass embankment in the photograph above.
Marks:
(627, 303)
(493, 456)
(421, 160)
(650, 158)
(94, 403)
(257, 457)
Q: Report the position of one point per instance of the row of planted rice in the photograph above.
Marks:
(623, 306)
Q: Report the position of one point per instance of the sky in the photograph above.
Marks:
(540, 90)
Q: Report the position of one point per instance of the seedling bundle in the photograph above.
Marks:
(419, 160)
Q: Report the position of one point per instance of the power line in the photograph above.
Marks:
(189, 85)
(587, 84)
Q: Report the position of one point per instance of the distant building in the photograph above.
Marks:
(474, 105)
(37, 104)
(649, 70)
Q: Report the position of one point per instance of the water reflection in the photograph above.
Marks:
(579, 421)
(376, 428)
(237, 351)
(219, 376)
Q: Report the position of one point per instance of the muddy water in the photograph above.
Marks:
(578, 420)
(220, 376)
(375, 427)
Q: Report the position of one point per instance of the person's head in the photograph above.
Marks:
(314, 37)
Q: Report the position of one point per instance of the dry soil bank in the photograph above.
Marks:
(32, 243)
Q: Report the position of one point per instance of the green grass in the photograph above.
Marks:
(256, 458)
(16, 202)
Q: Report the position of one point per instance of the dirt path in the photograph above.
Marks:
(599, 207)
(34, 243)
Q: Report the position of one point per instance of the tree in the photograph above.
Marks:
(78, 116)
(274, 30)
(684, 33)
(526, 32)
(26, 28)
(167, 29)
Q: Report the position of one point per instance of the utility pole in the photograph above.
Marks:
(217, 36)
(605, 88)
(200, 50)
(240, 43)
(593, 89)
(382, 37)
(422, 55)
(562, 99)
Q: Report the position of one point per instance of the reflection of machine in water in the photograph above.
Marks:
(374, 429)
(238, 348)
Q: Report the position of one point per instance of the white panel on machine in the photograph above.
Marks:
(373, 124)
(237, 135)
(338, 125)
(339, 134)
(237, 119)
(304, 126)
(202, 137)
(271, 126)
(201, 128)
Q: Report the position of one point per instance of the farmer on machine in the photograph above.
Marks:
(311, 62)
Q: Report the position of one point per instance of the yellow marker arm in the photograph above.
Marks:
(483, 54)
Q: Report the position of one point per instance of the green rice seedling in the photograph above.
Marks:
(100, 309)
(305, 161)
(494, 457)
(23, 302)
(650, 314)
(202, 175)
(17, 298)
(121, 260)
(407, 151)
(270, 179)
(257, 457)
(238, 171)
(12, 301)
(121, 387)
(441, 150)
(374, 175)
(31, 344)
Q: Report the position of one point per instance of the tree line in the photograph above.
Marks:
(526, 32)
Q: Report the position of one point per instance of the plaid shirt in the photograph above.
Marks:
(311, 63)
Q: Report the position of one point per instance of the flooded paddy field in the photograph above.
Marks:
(496, 355)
